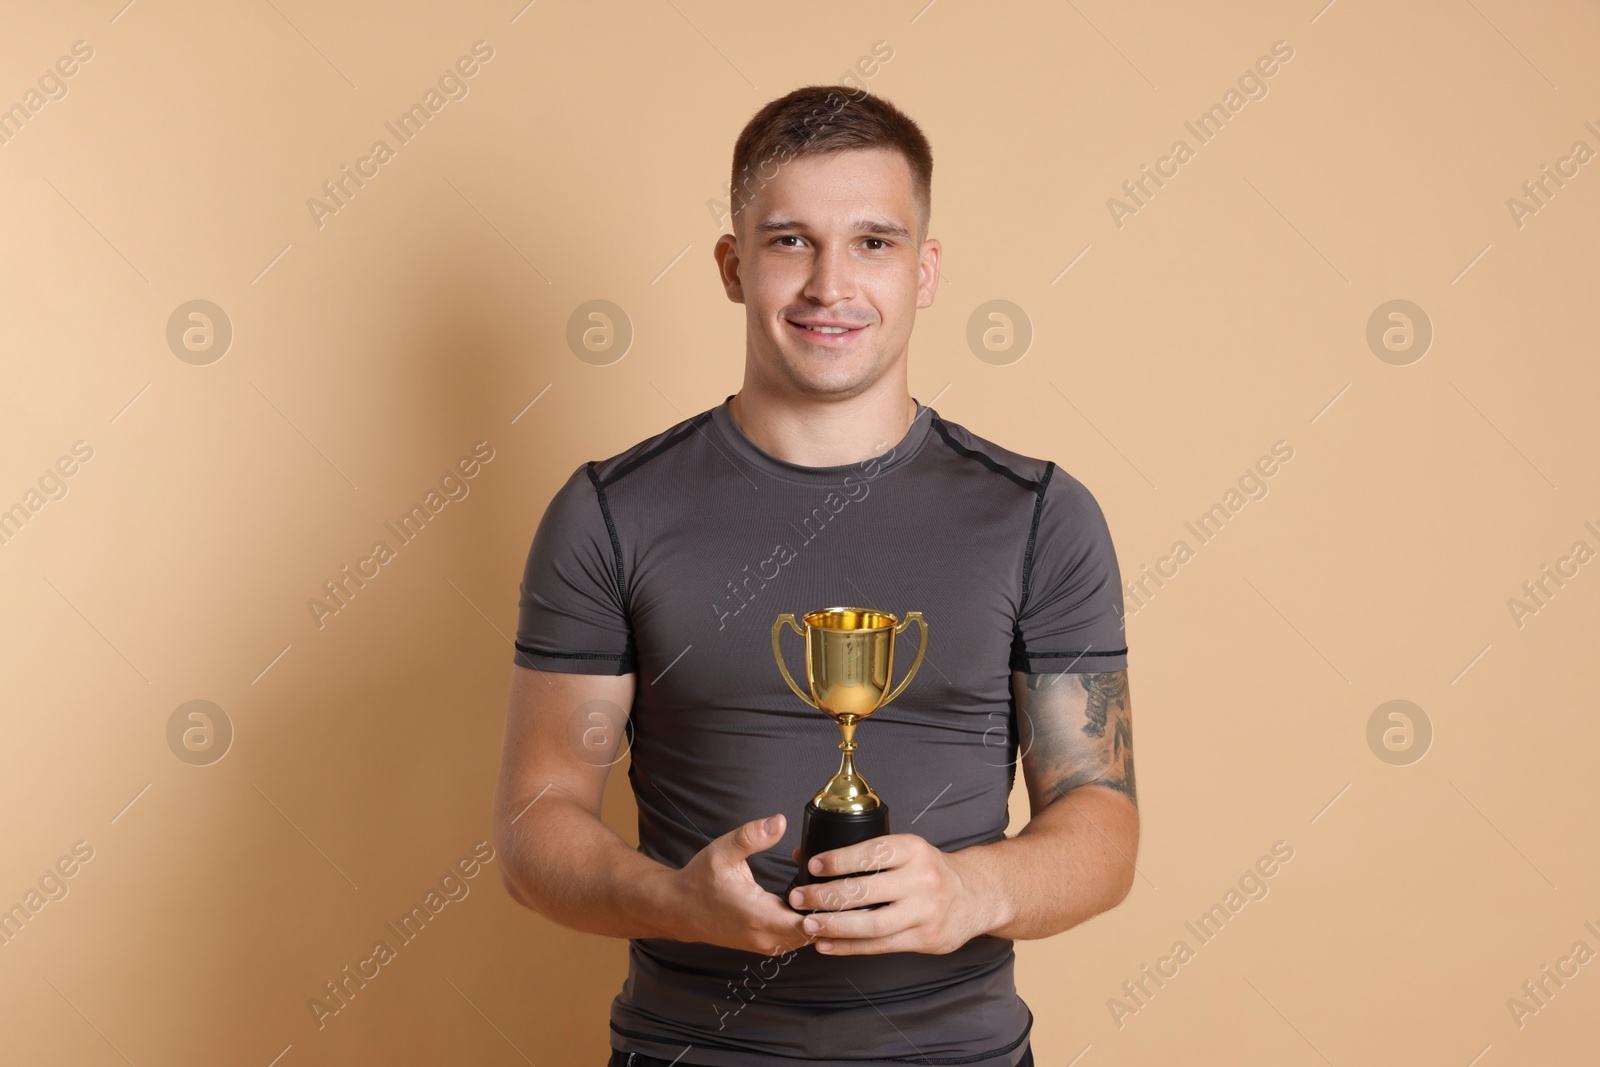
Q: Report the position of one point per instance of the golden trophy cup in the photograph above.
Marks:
(849, 661)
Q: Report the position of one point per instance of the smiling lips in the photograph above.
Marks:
(830, 333)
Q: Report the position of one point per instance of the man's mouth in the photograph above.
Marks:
(825, 331)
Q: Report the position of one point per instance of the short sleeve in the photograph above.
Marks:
(571, 614)
(1071, 617)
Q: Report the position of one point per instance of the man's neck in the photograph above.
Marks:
(824, 433)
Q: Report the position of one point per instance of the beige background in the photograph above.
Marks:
(369, 354)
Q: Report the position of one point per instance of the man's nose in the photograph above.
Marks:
(831, 279)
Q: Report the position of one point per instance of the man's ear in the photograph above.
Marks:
(928, 272)
(726, 252)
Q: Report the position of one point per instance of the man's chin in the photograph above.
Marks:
(829, 379)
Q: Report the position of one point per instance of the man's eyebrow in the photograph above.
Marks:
(775, 225)
(872, 226)
(885, 229)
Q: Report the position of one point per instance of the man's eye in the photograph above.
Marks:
(787, 237)
(877, 240)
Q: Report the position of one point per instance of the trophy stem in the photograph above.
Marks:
(847, 727)
(847, 791)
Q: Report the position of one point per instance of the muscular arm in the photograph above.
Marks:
(1074, 858)
(563, 733)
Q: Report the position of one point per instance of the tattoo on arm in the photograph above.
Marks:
(1076, 729)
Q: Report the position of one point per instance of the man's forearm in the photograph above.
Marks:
(560, 860)
(1071, 862)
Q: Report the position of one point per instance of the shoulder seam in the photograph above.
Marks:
(987, 461)
(1033, 534)
(634, 464)
(616, 550)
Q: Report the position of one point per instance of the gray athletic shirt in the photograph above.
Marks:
(671, 561)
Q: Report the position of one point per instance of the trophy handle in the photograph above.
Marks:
(777, 652)
(922, 646)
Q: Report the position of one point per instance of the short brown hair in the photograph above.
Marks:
(817, 119)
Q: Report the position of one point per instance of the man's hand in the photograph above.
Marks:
(930, 904)
(722, 904)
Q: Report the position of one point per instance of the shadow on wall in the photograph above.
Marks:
(364, 766)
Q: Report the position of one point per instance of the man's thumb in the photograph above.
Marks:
(758, 835)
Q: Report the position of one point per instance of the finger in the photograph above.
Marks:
(757, 835)
(840, 894)
(843, 926)
(880, 853)
(869, 946)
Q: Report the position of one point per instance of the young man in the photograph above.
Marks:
(647, 608)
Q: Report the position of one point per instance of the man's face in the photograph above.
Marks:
(831, 242)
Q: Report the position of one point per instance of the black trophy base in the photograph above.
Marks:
(822, 831)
